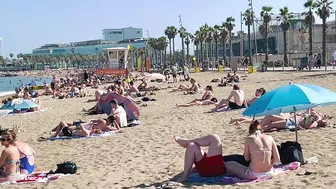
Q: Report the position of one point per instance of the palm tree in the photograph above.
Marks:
(310, 20)
(208, 39)
(11, 55)
(323, 11)
(171, 32)
(223, 38)
(187, 42)
(201, 37)
(248, 18)
(285, 25)
(216, 35)
(303, 36)
(229, 25)
(267, 17)
(196, 40)
(183, 32)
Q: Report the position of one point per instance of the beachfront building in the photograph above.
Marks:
(122, 34)
(112, 38)
(297, 43)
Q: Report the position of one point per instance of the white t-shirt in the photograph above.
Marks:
(122, 114)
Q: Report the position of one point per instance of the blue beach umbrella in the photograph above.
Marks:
(18, 104)
(291, 98)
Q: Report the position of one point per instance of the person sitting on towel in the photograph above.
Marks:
(10, 158)
(27, 157)
(258, 94)
(119, 113)
(238, 100)
(263, 153)
(206, 99)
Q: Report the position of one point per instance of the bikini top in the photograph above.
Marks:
(262, 150)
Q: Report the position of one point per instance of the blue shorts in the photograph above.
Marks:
(290, 124)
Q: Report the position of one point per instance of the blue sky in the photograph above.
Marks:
(29, 24)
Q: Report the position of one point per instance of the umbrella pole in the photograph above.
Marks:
(296, 133)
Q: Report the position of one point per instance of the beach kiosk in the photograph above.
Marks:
(118, 59)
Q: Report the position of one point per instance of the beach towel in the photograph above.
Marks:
(95, 135)
(231, 179)
(36, 177)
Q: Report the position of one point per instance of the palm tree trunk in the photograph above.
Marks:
(210, 49)
(183, 50)
(249, 44)
(266, 40)
(324, 44)
(202, 54)
(197, 54)
(285, 51)
(165, 57)
(230, 53)
(174, 58)
(188, 53)
(311, 35)
(216, 46)
(224, 51)
(170, 49)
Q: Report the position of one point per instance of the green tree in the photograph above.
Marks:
(285, 25)
(209, 39)
(171, 32)
(324, 10)
(223, 38)
(183, 33)
(265, 28)
(310, 20)
(229, 25)
(249, 18)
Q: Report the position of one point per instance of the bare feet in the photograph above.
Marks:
(181, 142)
(231, 121)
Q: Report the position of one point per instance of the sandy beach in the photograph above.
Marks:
(146, 155)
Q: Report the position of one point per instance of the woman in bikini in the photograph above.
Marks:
(10, 158)
(263, 153)
(206, 99)
(27, 157)
(193, 88)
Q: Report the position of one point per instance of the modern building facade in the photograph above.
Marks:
(122, 34)
(86, 47)
(297, 42)
(111, 38)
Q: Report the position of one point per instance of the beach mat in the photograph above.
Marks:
(231, 179)
(95, 135)
(36, 177)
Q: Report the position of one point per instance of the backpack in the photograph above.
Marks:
(68, 167)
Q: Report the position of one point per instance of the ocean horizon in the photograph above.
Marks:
(8, 84)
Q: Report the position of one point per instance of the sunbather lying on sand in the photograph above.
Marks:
(193, 88)
(206, 99)
(286, 121)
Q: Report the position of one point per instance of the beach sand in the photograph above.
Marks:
(146, 155)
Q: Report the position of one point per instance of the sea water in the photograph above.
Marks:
(8, 84)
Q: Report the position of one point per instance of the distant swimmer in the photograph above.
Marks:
(10, 82)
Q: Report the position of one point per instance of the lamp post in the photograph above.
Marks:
(1, 46)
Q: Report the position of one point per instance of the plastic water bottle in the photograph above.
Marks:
(312, 160)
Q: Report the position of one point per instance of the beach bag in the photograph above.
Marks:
(68, 167)
(290, 152)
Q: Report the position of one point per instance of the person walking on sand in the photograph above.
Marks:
(238, 96)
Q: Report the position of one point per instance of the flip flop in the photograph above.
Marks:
(305, 173)
(168, 185)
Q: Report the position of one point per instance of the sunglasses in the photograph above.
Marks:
(5, 139)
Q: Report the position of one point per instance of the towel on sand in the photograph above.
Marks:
(94, 135)
(231, 179)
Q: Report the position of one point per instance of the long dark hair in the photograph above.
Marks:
(255, 126)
